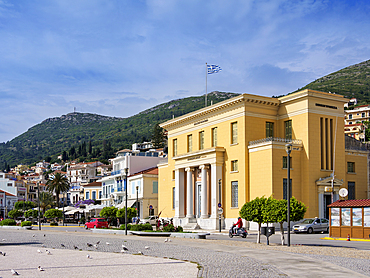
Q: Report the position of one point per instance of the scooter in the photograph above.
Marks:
(240, 232)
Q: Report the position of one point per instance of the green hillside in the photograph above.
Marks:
(106, 134)
(352, 81)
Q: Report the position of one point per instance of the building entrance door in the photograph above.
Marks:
(198, 198)
(327, 201)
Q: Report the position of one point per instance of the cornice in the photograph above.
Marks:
(238, 101)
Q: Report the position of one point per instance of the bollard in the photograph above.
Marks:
(348, 238)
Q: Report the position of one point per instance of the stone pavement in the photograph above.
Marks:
(216, 258)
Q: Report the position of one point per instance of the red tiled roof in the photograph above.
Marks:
(93, 184)
(7, 194)
(150, 171)
(350, 203)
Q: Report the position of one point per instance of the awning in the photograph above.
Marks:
(67, 208)
(129, 204)
(94, 207)
(74, 211)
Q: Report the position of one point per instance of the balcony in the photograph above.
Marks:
(275, 139)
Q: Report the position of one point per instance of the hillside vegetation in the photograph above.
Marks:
(105, 134)
(352, 81)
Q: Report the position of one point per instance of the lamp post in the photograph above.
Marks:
(126, 172)
(64, 199)
(219, 197)
(137, 201)
(38, 201)
(288, 148)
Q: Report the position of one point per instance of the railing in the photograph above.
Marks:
(116, 172)
(275, 139)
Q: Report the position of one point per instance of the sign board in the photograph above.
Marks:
(150, 207)
(343, 192)
(219, 205)
(328, 189)
(1, 195)
(220, 211)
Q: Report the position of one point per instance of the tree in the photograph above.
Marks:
(158, 137)
(46, 200)
(24, 204)
(15, 213)
(31, 213)
(109, 213)
(131, 212)
(59, 184)
(64, 156)
(53, 213)
(254, 211)
(276, 211)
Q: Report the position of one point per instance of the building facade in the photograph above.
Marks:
(234, 151)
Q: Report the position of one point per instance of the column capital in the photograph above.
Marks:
(189, 169)
(203, 167)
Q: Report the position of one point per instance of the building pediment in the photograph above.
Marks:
(327, 181)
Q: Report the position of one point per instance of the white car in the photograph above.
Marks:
(152, 220)
(312, 225)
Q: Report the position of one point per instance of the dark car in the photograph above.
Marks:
(96, 223)
(312, 225)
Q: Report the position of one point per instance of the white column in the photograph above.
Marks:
(189, 193)
(216, 175)
(204, 199)
(179, 193)
(321, 205)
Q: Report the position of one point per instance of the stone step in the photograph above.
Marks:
(191, 226)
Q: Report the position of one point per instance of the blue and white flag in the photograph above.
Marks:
(213, 69)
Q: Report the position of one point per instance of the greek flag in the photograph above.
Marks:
(213, 69)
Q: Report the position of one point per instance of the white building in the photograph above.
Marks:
(134, 162)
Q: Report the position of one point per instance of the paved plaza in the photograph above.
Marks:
(176, 258)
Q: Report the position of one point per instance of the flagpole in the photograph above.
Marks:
(206, 85)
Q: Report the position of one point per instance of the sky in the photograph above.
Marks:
(118, 58)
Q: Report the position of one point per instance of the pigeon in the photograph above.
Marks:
(166, 240)
(146, 247)
(140, 253)
(98, 242)
(40, 268)
(62, 245)
(88, 256)
(48, 252)
(14, 272)
(123, 251)
(3, 239)
(89, 245)
(107, 243)
(124, 247)
(43, 246)
(44, 235)
(33, 235)
(169, 240)
(96, 246)
(3, 253)
(39, 251)
(75, 247)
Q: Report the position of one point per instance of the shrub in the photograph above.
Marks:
(169, 228)
(122, 227)
(141, 227)
(26, 223)
(53, 224)
(179, 229)
(8, 222)
(53, 213)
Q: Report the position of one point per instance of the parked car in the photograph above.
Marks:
(312, 225)
(96, 223)
(152, 220)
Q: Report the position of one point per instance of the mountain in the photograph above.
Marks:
(352, 81)
(105, 134)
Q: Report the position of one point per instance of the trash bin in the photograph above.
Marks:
(267, 231)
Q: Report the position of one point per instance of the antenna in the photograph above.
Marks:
(74, 109)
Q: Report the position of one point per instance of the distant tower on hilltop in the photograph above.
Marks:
(74, 109)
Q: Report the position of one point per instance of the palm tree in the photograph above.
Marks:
(59, 184)
(46, 200)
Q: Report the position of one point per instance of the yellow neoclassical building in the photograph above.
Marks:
(234, 151)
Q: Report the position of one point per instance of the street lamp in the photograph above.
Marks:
(288, 148)
(126, 172)
(219, 197)
(137, 201)
(38, 201)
